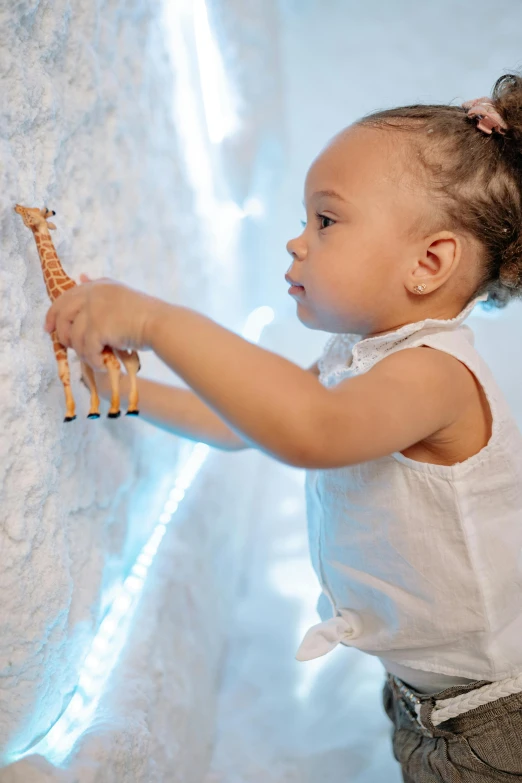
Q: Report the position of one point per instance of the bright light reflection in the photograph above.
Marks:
(220, 114)
(203, 90)
(256, 322)
(253, 207)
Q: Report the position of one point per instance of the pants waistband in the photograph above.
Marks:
(430, 712)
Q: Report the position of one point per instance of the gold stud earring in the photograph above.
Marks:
(419, 288)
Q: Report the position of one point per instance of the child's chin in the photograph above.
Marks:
(305, 318)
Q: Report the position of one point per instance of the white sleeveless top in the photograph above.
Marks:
(420, 563)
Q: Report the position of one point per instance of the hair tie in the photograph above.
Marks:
(490, 119)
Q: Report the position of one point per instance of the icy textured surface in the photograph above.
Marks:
(87, 129)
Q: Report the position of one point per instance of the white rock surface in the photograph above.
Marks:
(89, 128)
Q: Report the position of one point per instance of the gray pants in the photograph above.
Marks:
(483, 744)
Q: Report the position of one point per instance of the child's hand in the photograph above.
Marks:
(99, 313)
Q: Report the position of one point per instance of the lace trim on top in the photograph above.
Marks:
(346, 354)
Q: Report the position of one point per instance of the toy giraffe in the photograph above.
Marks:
(57, 282)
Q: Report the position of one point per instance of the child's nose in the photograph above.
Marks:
(295, 248)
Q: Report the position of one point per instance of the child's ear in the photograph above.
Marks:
(51, 226)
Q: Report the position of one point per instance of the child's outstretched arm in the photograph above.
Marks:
(282, 409)
(176, 410)
(267, 400)
(180, 411)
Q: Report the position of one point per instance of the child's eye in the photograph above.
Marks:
(323, 217)
(320, 218)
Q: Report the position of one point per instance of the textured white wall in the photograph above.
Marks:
(87, 128)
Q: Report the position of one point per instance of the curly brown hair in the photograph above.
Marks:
(475, 179)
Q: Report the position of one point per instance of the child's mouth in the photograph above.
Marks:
(296, 289)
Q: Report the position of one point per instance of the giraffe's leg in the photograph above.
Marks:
(114, 370)
(88, 374)
(60, 352)
(131, 361)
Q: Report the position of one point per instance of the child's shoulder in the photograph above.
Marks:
(471, 428)
(416, 399)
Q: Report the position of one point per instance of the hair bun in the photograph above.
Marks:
(507, 99)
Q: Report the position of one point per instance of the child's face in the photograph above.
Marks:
(354, 260)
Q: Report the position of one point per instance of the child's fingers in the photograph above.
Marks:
(85, 279)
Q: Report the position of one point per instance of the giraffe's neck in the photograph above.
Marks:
(55, 278)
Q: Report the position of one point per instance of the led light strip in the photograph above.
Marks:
(106, 647)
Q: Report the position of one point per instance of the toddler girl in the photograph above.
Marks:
(413, 457)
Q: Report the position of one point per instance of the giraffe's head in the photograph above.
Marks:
(35, 218)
